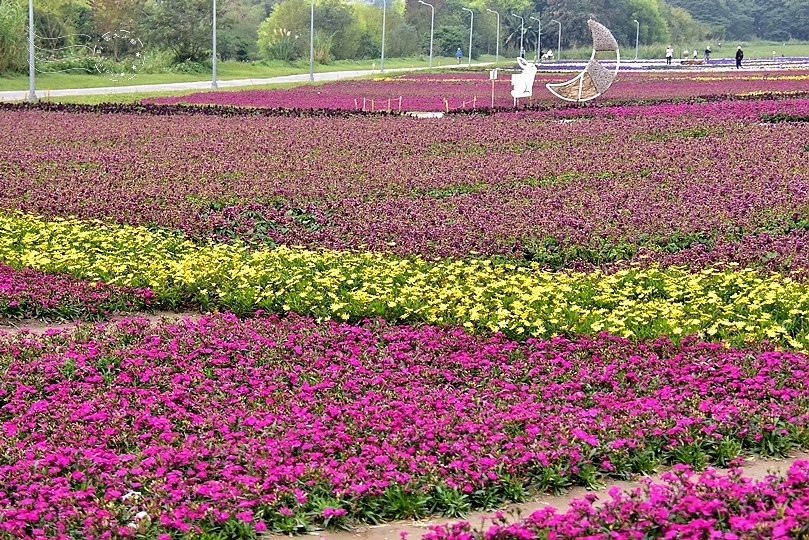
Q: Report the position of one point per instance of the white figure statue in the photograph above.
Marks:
(523, 83)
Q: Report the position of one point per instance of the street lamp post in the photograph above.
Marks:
(559, 41)
(32, 95)
(312, 42)
(539, 35)
(637, 38)
(522, 30)
(497, 45)
(213, 56)
(471, 25)
(382, 62)
(432, 26)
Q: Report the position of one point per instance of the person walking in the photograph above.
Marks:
(739, 57)
(707, 53)
(459, 54)
(669, 54)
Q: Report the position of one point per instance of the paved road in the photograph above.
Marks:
(17, 95)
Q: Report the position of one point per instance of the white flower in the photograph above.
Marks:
(132, 494)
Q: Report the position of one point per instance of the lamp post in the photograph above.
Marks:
(559, 41)
(497, 45)
(471, 25)
(539, 35)
(32, 95)
(432, 26)
(522, 29)
(213, 56)
(637, 38)
(312, 42)
(382, 62)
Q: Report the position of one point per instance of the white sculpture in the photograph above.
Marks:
(596, 78)
(523, 83)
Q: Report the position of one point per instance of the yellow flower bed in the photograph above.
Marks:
(520, 300)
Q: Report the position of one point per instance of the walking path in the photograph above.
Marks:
(754, 468)
(17, 95)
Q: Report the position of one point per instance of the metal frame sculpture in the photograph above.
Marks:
(595, 79)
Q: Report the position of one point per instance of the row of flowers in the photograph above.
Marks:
(569, 188)
(453, 91)
(223, 426)
(480, 294)
(30, 294)
(713, 505)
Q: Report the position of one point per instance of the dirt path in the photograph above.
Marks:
(754, 468)
(36, 326)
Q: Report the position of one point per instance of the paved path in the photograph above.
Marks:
(17, 95)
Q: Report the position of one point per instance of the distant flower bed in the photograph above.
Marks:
(712, 506)
(28, 293)
(573, 188)
(286, 424)
(454, 91)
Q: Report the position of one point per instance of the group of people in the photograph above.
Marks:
(707, 53)
(669, 54)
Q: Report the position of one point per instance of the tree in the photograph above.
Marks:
(401, 39)
(336, 18)
(336, 27)
(238, 34)
(682, 28)
(446, 39)
(13, 41)
(653, 28)
(281, 35)
(110, 16)
(574, 15)
(799, 17)
(183, 27)
(732, 15)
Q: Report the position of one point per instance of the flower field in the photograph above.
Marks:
(401, 317)
(678, 508)
(430, 92)
(221, 424)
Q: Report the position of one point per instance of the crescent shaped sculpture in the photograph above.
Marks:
(595, 79)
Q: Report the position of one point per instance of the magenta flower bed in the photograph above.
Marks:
(286, 424)
(573, 187)
(454, 91)
(30, 294)
(713, 505)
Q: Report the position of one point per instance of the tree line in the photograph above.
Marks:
(176, 34)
